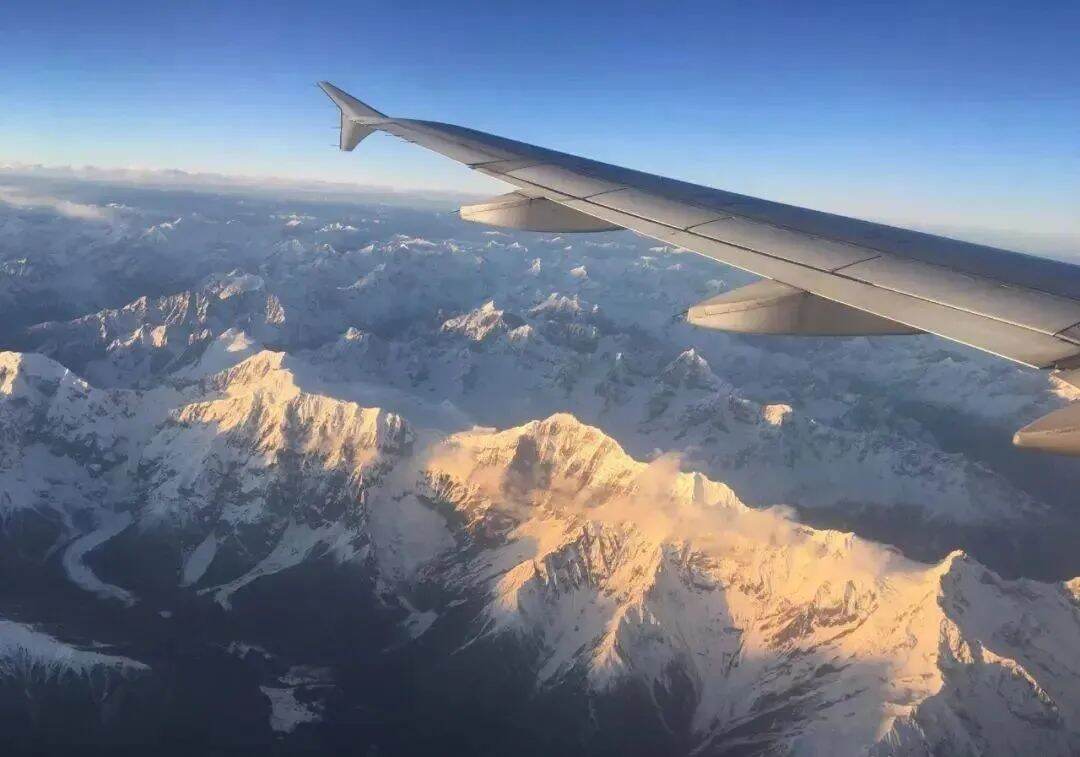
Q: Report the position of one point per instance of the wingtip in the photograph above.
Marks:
(349, 105)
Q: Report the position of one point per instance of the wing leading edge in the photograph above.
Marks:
(1016, 306)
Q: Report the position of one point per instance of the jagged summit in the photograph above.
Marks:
(483, 323)
(233, 283)
(559, 306)
(689, 370)
(152, 336)
(265, 368)
(637, 570)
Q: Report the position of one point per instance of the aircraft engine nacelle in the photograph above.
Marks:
(518, 211)
(769, 307)
(1057, 432)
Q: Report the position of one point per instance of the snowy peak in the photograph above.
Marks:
(559, 307)
(549, 459)
(234, 283)
(34, 656)
(47, 411)
(630, 571)
(262, 396)
(689, 370)
(271, 412)
(359, 349)
(264, 369)
(262, 430)
(21, 373)
(484, 323)
(150, 336)
(610, 571)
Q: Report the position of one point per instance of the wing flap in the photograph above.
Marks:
(1036, 310)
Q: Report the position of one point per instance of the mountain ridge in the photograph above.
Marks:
(608, 570)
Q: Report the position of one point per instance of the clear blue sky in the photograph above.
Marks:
(962, 113)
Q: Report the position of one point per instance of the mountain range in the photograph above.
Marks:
(305, 474)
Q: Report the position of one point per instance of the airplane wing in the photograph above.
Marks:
(827, 274)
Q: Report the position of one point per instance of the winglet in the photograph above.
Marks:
(349, 105)
(354, 115)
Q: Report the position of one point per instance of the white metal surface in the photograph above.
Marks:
(1036, 310)
(656, 208)
(815, 252)
(563, 180)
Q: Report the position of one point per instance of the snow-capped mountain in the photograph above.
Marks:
(147, 336)
(752, 631)
(332, 477)
(741, 628)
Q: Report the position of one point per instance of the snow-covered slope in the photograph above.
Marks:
(58, 436)
(508, 329)
(748, 629)
(128, 344)
(29, 656)
(776, 635)
(53, 692)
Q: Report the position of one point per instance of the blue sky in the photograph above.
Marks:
(961, 114)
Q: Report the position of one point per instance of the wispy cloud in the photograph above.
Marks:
(17, 198)
(174, 178)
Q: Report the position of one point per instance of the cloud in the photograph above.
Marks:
(272, 185)
(16, 198)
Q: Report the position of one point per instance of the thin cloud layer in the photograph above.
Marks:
(17, 198)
